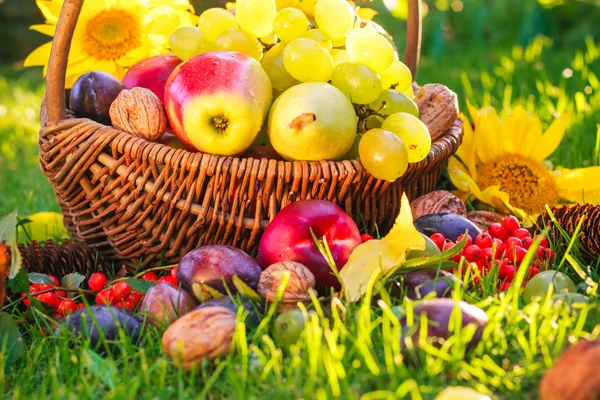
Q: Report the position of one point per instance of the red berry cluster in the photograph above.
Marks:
(55, 299)
(500, 250)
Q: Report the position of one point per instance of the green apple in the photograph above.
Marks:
(312, 121)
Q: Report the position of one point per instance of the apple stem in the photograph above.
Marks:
(220, 123)
(301, 120)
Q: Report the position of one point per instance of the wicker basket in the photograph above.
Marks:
(139, 203)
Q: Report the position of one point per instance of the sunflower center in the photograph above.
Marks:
(111, 34)
(528, 182)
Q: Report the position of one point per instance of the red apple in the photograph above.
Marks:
(288, 238)
(152, 73)
(217, 101)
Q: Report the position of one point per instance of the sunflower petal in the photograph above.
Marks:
(489, 143)
(550, 139)
(50, 10)
(45, 29)
(579, 185)
(38, 56)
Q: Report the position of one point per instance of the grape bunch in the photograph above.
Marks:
(324, 41)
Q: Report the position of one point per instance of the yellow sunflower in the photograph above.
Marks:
(501, 162)
(112, 35)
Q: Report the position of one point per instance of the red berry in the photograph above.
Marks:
(97, 281)
(39, 287)
(174, 273)
(49, 299)
(439, 240)
(120, 290)
(546, 254)
(81, 305)
(484, 240)
(504, 286)
(150, 276)
(521, 233)
(469, 240)
(488, 253)
(544, 242)
(104, 296)
(496, 230)
(533, 272)
(26, 300)
(510, 224)
(136, 294)
(129, 303)
(66, 307)
(499, 244)
(169, 279)
(61, 293)
(56, 282)
(473, 253)
(506, 272)
(365, 237)
(512, 242)
(483, 265)
(516, 254)
(447, 246)
(527, 242)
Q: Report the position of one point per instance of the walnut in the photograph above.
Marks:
(299, 285)
(437, 202)
(483, 219)
(139, 112)
(205, 333)
(438, 108)
(575, 376)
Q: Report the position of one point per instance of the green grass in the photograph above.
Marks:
(349, 351)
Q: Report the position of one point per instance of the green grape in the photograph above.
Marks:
(383, 154)
(460, 393)
(236, 39)
(413, 132)
(187, 42)
(289, 24)
(270, 39)
(307, 61)
(340, 42)
(397, 76)
(391, 101)
(339, 56)
(334, 17)
(215, 21)
(537, 287)
(373, 121)
(318, 37)
(359, 82)
(370, 49)
(409, 92)
(256, 16)
(288, 327)
(272, 63)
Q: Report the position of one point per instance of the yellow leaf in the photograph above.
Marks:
(380, 256)
(367, 14)
(42, 226)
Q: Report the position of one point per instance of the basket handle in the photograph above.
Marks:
(67, 21)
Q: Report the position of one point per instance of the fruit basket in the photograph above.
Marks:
(138, 202)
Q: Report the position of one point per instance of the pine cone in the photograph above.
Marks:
(568, 217)
(60, 259)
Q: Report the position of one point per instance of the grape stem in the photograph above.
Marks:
(363, 113)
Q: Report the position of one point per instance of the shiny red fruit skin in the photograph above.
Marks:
(173, 272)
(56, 282)
(496, 230)
(365, 237)
(439, 240)
(152, 73)
(169, 279)
(97, 281)
(104, 297)
(150, 276)
(120, 290)
(484, 240)
(469, 241)
(521, 233)
(66, 307)
(510, 224)
(288, 238)
(49, 299)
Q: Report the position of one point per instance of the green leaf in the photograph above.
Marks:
(8, 227)
(139, 284)
(20, 283)
(244, 289)
(100, 367)
(40, 278)
(11, 343)
(72, 281)
(16, 260)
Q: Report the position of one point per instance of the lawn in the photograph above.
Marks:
(347, 351)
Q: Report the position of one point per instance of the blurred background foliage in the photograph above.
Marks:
(542, 54)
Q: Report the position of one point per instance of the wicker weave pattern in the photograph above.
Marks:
(140, 202)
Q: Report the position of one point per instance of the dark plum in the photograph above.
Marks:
(109, 321)
(418, 284)
(438, 312)
(92, 94)
(225, 301)
(449, 225)
(212, 265)
(165, 302)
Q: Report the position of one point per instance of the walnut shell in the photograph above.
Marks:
(205, 333)
(575, 376)
(139, 112)
(300, 283)
(438, 108)
(437, 202)
(483, 218)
